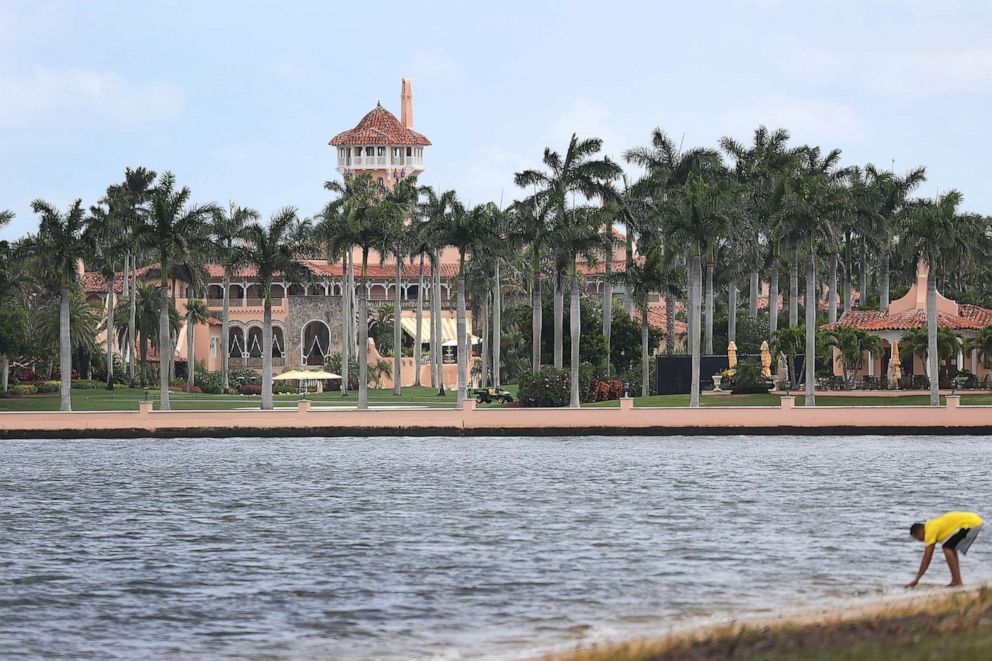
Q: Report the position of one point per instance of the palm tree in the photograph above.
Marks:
(853, 343)
(174, 230)
(134, 193)
(812, 199)
(937, 235)
(227, 238)
(271, 250)
(893, 193)
(9, 282)
(196, 313)
(106, 235)
(696, 217)
(396, 241)
(788, 341)
(146, 327)
(647, 277)
(436, 209)
(419, 246)
(58, 249)
(578, 172)
(464, 230)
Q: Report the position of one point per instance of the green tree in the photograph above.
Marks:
(57, 250)
(176, 231)
(942, 239)
(271, 250)
(196, 313)
(789, 341)
(227, 238)
(853, 343)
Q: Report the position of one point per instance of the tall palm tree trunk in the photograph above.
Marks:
(164, 342)
(863, 273)
(773, 301)
(708, 330)
(110, 332)
(628, 291)
(437, 351)
(398, 331)
(363, 341)
(932, 357)
(497, 327)
(794, 288)
(731, 312)
(752, 301)
(883, 280)
(190, 357)
(688, 319)
(645, 358)
(346, 325)
(4, 372)
(608, 306)
(143, 348)
(484, 311)
(267, 353)
(847, 286)
(670, 324)
(462, 338)
(225, 329)
(832, 294)
(418, 341)
(574, 318)
(125, 296)
(811, 327)
(559, 321)
(131, 324)
(695, 294)
(65, 352)
(536, 320)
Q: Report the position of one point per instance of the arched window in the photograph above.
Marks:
(236, 342)
(255, 342)
(316, 343)
(296, 290)
(278, 343)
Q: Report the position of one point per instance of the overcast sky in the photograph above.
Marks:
(239, 99)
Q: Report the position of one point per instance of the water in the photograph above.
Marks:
(400, 548)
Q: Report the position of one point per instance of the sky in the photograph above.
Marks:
(239, 99)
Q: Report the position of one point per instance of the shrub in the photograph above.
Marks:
(209, 382)
(231, 391)
(23, 389)
(604, 390)
(280, 388)
(333, 364)
(48, 386)
(250, 389)
(548, 387)
(748, 378)
(241, 375)
(25, 375)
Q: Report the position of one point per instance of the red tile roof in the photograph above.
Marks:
(658, 319)
(969, 317)
(379, 127)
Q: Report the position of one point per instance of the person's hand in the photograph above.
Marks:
(912, 584)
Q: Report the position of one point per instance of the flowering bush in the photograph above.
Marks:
(601, 391)
(21, 375)
(48, 386)
(250, 389)
(549, 387)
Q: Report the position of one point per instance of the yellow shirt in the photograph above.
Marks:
(945, 525)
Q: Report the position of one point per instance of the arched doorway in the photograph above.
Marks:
(236, 343)
(316, 342)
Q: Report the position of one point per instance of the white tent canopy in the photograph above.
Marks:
(449, 330)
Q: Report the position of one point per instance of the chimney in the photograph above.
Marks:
(406, 105)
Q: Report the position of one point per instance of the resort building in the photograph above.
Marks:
(909, 313)
(307, 323)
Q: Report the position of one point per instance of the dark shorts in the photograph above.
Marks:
(962, 539)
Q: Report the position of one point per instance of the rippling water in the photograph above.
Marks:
(451, 548)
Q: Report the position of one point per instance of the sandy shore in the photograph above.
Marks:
(918, 625)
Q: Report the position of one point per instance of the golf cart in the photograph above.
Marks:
(488, 395)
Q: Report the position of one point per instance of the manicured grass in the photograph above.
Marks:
(127, 400)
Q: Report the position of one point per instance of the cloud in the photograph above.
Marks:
(293, 68)
(808, 120)
(897, 73)
(86, 97)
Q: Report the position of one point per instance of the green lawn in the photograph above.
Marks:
(127, 400)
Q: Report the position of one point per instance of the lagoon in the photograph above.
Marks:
(396, 548)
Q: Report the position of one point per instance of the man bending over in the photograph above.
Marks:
(957, 530)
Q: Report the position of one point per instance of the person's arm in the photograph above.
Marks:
(924, 564)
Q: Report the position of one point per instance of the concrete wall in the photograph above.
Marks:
(782, 419)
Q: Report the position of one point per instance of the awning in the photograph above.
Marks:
(449, 330)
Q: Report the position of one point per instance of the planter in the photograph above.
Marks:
(717, 378)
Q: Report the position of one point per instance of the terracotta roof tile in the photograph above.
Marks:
(379, 127)
(971, 317)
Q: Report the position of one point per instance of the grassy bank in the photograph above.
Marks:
(955, 625)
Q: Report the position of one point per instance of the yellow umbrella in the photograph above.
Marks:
(318, 375)
(766, 361)
(732, 357)
(291, 375)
